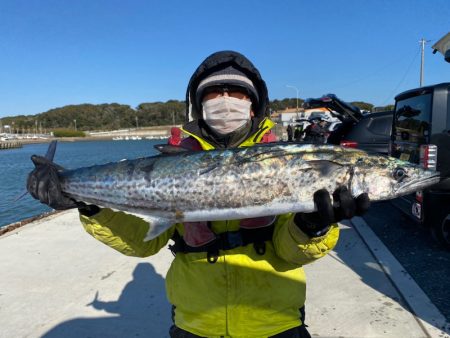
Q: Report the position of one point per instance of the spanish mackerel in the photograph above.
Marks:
(238, 183)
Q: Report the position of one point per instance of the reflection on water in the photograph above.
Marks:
(15, 164)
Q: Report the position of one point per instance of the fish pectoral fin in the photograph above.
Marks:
(157, 225)
(323, 166)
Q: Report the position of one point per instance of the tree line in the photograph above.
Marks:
(113, 116)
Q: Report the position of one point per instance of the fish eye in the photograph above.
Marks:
(399, 174)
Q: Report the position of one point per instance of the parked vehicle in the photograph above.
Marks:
(421, 134)
(371, 133)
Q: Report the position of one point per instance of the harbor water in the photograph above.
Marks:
(15, 164)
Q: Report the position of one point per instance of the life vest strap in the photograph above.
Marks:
(226, 241)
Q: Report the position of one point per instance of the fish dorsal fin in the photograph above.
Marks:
(169, 149)
(262, 153)
(239, 157)
(257, 154)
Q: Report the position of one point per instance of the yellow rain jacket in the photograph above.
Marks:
(243, 294)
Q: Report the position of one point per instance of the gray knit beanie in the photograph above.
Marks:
(227, 76)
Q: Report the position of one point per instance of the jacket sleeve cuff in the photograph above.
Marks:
(295, 246)
(103, 216)
(310, 229)
(89, 210)
(301, 235)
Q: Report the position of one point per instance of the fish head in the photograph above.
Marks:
(383, 177)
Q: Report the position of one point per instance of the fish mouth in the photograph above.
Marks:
(418, 184)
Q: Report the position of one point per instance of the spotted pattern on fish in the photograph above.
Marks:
(226, 184)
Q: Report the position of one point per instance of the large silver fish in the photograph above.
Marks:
(239, 183)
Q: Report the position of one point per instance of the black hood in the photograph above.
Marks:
(218, 61)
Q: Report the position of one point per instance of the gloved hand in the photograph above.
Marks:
(43, 184)
(317, 223)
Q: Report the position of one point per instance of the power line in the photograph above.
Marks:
(402, 79)
(376, 72)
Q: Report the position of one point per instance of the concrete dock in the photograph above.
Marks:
(57, 281)
(10, 145)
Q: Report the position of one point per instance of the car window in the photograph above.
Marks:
(412, 121)
(381, 125)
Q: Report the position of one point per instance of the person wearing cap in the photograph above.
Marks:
(230, 278)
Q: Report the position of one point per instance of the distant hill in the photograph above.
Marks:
(111, 116)
(107, 116)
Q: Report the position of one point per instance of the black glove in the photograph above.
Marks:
(317, 223)
(43, 184)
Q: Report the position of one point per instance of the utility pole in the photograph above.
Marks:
(137, 123)
(422, 43)
(297, 94)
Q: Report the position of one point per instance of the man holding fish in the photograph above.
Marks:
(237, 273)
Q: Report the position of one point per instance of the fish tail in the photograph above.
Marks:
(48, 158)
(42, 160)
(39, 160)
(51, 151)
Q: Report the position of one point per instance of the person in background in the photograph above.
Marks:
(175, 136)
(269, 137)
(297, 133)
(317, 132)
(290, 133)
(230, 278)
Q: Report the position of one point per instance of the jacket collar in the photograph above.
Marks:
(198, 130)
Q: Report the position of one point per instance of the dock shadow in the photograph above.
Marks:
(141, 309)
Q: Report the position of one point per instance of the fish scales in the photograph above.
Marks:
(238, 183)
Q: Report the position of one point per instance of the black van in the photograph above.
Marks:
(369, 132)
(421, 134)
(372, 133)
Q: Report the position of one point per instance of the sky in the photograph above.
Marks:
(60, 52)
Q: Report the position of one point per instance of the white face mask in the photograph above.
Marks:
(225, 114)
